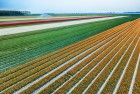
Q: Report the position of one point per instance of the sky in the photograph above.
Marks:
(72, 6)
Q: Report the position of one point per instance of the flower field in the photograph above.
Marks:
(17, 49)
(38, 21)
(106, 63)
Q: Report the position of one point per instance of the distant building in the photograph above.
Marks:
(14, 13)
(45, 15)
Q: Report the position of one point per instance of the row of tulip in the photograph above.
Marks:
(20, 78)
(74, 61)
(113, 59)
(91, 79)
(50, 59)
(136, 88)
(28, 53)
(73, 71)
(111, 84)
(56, 73)
(13, 23)
(126, 81)
(25, 66)
(17, 68)
(42, 70)
(90, 64)
(36, 85)
(51, 63)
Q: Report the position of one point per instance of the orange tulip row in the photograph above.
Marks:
(43, 62)
(126, 81)
(136, 89)
(93, 76)
(52, 87)
(40, 82)
(110, 86)
(73, 71)
(54, 74)
(119, 50)
(128, 77)
(46, 67)
(39, 73)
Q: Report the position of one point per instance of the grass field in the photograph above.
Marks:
(108, 63)
(20, 48)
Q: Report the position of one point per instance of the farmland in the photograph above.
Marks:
(91, 58)
(20, 48)
(43, 20)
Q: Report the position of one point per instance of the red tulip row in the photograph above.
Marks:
(46, 21)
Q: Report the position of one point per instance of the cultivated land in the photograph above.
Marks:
(17, 18)
(21, 29)
(22, 18)
(104, 64)
(20, 48)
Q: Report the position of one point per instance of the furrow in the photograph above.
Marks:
(125, 79)
(135, 85)
(118, 69)
(73, 61)
(84, 62)
(27, 73)
(94, 74)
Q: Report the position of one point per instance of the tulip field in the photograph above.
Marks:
(17, 49)
(49, 20)
(97, 58)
